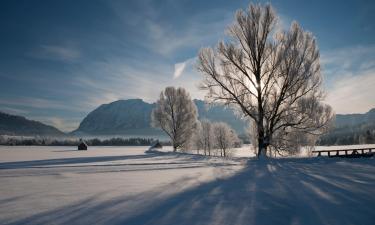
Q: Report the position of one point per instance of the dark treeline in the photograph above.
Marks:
(341, 136)
(364, 134)
(74, 142)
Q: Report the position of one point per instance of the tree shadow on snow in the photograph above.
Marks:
(269, 192)
(60, 162)
(75, 160)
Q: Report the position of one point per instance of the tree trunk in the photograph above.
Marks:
(261, 144)
(174, 148)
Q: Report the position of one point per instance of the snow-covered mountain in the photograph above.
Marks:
(20, 126)
(133, 117)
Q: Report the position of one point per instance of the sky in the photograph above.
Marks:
(59, 60)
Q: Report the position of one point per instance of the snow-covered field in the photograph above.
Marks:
(124, 185)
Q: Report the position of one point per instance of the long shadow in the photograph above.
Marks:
(65, 162)
(272, 192)
(61, 161)
(68, 150)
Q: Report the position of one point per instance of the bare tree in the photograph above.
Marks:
(196, 140)
(224, 137)
(272, 77)
(176, 114)
(205, 137)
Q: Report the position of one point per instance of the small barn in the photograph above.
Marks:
(157, 145)
(82, 145)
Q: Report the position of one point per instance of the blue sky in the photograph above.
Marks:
(61, 59)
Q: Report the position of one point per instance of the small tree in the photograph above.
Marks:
(196, 139)
(176, 114)
(225, 138)
(272, 77)
(203, 137)
(206, 136)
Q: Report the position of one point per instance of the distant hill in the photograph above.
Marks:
(354, 119)
(133, 117)
(20, 126)
(351, 129)
(121, 117)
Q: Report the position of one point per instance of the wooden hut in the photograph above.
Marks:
(157, 145)
(82, 145)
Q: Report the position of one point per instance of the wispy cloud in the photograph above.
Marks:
(180, 67)
(13, 111)
(57, 52)
(166, 38)
(132, 80)
(350, 75)
(353, 93)
(349, 57)
(121, 81)
(39, 103)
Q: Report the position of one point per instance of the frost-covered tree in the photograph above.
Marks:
(207, 136)
(196, 142)
(204, 137)
(272, 77)
(224, 137)
(176, 114)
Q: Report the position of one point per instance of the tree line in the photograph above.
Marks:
(349, 136)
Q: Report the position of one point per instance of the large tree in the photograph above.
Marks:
(176, 114)
(273, 77)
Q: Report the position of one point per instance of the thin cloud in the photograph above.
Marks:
(14, 111)
(165, 38)
(350, 73)
(57, 52)
(181, 66)
(178, 69)
(39, 103)
(353, 94)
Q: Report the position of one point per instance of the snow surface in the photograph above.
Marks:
(124, 185)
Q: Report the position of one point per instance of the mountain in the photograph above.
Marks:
(351, 129)
(133, 117)
(354, 119)
(20, 126)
